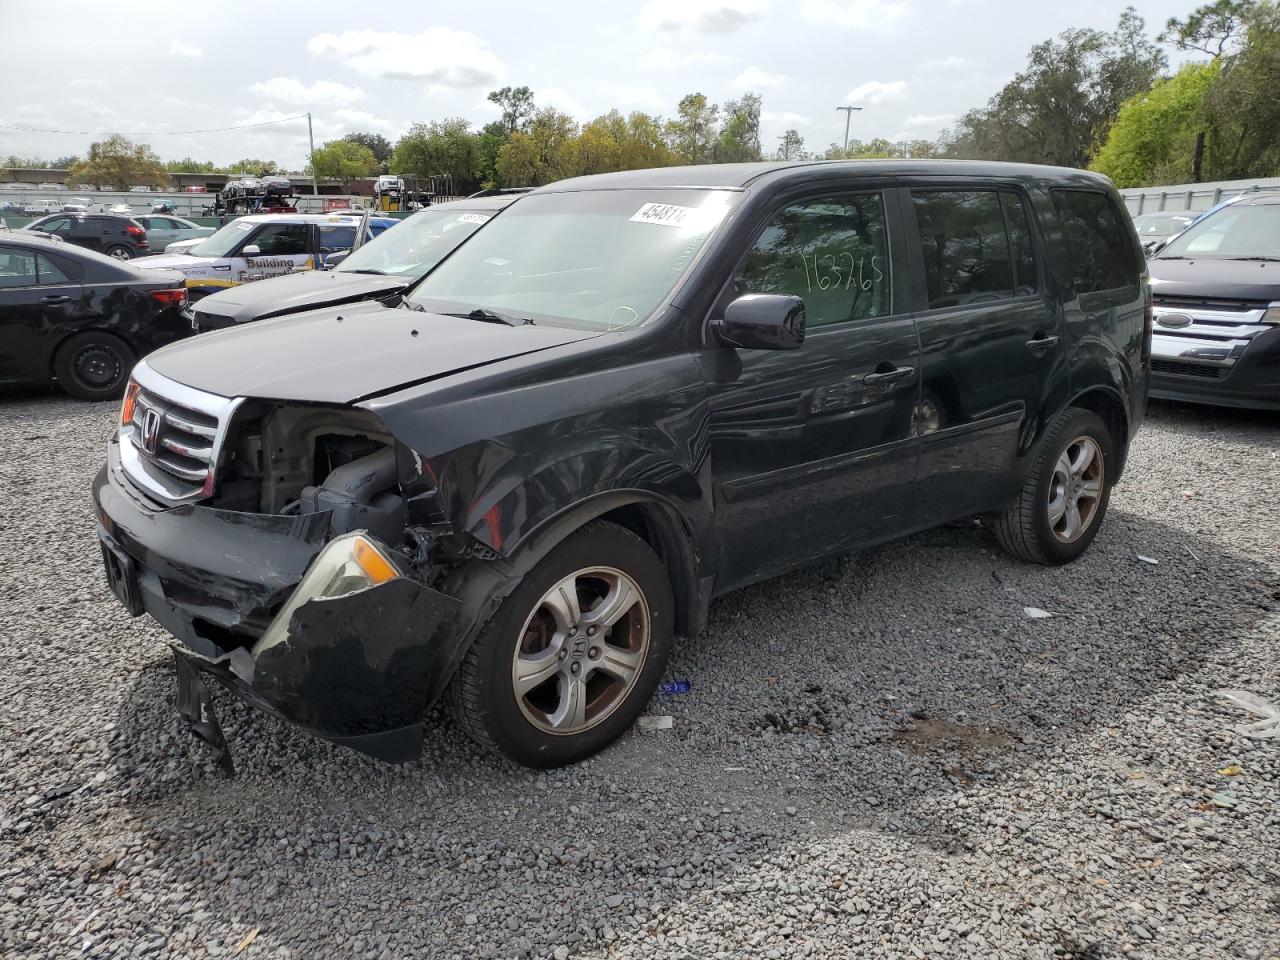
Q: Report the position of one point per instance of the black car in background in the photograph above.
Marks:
(627, 395)
(120, 237)
(382, 267)
(1216, 289)
(80, 317)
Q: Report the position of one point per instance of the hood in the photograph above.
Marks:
(169, 261)
(346, 354)
(295, 292)
(1215, 279)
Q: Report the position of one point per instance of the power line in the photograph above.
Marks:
(153, 133)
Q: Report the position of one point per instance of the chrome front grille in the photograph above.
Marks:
(1212, 332)
(169, 450)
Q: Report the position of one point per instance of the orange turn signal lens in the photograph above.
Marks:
(130, 403)
(375, 566)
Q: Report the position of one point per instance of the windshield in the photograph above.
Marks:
(417, 244)
(224, 241)
(600, 259)
(1152, 226)
(1241, 230)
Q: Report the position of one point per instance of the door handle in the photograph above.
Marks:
(888, 376)
(1040, 344)
(55, 299)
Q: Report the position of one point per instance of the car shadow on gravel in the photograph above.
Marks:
(832, 699)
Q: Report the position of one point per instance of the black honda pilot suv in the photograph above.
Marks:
(628, 395)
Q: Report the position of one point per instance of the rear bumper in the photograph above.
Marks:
(359, 669)
(1248, 377)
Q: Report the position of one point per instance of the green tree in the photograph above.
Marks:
(739, 138)
(1058, 108)
(262, 168)
(189, 165)
(790, 146)
(1211, 28)
(15, 162)
(378, 145)
(516, 104)
(118, 164)
(877, 149)
(440, 148)
(692, 134)
(548, 152)
(1243, 104)
(343, 160)
(1153, 140)
(64, 163)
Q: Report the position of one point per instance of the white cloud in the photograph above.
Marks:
(784, 118)
(562, 100)
(87, 83)
(869, 15)
(179, 49)
(876, 91)
(362, 120)
(706, 16)
(753, 78)
(663, 59)
(949, 63)
(293, 90)
(935, 120)
(438, 55)
(629, 97)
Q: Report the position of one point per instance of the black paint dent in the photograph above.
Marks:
(358, 668)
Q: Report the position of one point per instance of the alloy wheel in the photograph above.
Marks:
(581, 650)
(1075, 490)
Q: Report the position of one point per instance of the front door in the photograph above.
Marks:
(991, 343)
(282, 248)
(810, 448)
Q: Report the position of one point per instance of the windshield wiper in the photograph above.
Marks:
(376, 273)
(485, 315)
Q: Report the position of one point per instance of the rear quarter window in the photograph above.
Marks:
(1099, 252)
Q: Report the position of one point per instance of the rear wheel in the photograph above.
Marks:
(573, 655)
(120, 252)
(1065, 496)
(93, 365)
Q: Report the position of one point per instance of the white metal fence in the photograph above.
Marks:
(1191, 196)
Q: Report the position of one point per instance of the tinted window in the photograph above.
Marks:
(970, 254)
(49, 272)
(339, 237)
(282, 239)
(17, 268)
(1098, 246)
(56, 225)
(831, 252)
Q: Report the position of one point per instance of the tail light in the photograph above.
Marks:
(176, 297)
(133, 231)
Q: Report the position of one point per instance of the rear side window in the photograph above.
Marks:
(831, 252)
(282, 239)
(1101, 256)
(976, 246)
(49, 272)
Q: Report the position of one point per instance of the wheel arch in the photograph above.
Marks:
(52, 358)
(1106, 402)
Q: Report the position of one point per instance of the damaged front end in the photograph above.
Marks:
(295, 555)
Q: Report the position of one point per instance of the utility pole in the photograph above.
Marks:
(849, 115)
(315, 189)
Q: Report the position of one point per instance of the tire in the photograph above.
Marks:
(532, 634)
(93, 365)
(1037, 525)
(119, 251)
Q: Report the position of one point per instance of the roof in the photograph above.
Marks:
(740, 176)
(1259, 199)
(338, 217)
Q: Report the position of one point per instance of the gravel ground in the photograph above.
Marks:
(880, 757)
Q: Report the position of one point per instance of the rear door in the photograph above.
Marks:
(991, 342)
(282, 248)
(810, 448)
(161, 231)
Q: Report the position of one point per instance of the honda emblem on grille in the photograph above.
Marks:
(150, 430)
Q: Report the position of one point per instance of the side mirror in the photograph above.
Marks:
(331, 260)
(761, 321)
(252, 250)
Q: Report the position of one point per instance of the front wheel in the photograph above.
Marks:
(1064, 498)
(573, 655)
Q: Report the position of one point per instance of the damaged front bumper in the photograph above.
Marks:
(359, 667)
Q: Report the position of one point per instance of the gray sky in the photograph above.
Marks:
(137, 66)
